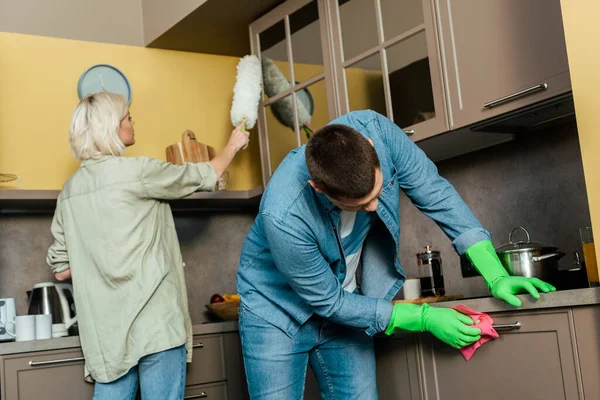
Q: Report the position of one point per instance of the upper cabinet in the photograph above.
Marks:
(500, 55)
(437, 68)
(299, 95)
(386, 59)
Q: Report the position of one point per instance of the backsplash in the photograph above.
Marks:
(535, 181)
(210, 245)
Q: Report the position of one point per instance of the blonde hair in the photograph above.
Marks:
(95, 126)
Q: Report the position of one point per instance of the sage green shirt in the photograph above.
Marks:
(114, 229)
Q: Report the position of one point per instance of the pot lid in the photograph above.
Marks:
(523, 245)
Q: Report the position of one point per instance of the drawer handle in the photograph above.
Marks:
(55, 362)
(409, 132)
(196, 396)
(507, 327)
(198, 345)
(518, 95)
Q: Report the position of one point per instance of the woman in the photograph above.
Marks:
(114, 235)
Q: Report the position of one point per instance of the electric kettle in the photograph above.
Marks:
(55, 299)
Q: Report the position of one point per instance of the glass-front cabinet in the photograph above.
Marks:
(324, 58)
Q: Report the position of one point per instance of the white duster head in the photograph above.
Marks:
(246, 92)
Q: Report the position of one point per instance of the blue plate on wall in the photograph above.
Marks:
(101, 78)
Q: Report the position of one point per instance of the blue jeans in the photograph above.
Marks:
(160, 376)
(342, 358)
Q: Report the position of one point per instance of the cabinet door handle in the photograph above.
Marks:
(507, 327)
(196, 396)
(55, 362)
(409, 132)
(198, 345)
(517, 95)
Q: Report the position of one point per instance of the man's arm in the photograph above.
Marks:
(297, 256)
(435, 197)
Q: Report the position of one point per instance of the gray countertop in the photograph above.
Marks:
(73, 341)
(563, 298)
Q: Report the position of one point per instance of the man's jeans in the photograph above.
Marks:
(342, 358)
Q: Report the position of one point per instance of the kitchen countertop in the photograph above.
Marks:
(73, 341)
(562, 298)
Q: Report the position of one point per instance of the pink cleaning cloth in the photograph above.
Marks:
(485, 324)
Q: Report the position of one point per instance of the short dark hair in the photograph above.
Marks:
(341, 162)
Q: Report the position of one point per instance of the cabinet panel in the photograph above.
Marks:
(496, 48)
(208, 363)
(587, 331)
(536, 362)
(398, 376)
(45, 375)
(234, 365)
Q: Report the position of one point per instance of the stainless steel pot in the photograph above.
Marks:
(529, 259)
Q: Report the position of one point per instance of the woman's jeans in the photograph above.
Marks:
(159, 376)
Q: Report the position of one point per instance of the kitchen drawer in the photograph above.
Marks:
(215, 391)
(44, 375)
(208, 364)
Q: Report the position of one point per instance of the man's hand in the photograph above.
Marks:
(446, 324)
(505, 288)
(63, 276)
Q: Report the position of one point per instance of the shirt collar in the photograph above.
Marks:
(93, 161)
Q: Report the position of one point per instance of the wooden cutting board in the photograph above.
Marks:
(438, 299)
(189, 150)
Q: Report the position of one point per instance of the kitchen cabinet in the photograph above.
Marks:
(438, 69)
(391, 64)
(587, 331)
(215, 391)
(537, 361)
(208, 362)
(216, 372)
(398, 374)
(51, 375)
(500, 56)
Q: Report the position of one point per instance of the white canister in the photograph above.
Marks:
(412, 289)
(43, 326)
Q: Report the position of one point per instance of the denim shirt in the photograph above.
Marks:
(292, 263)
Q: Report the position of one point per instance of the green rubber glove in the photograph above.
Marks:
(504, 287)
(448, 325)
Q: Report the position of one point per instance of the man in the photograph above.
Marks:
(329, 205)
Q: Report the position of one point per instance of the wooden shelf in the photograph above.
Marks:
(45, 200)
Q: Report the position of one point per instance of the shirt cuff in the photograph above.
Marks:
(383, 316)
(469, 238)
(209, 176)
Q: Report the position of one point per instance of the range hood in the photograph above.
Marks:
(503, 128)
(553, 111)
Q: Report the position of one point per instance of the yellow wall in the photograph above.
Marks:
(582, 31)
(172, 91)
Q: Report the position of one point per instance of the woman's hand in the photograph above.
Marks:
(63, 276)
(237, 141)
(239, 137)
